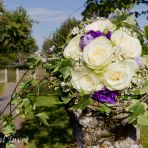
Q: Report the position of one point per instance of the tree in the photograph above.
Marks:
(16, 41)
(58, 37)
(1, 7)
(104, 8)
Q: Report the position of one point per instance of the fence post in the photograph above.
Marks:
(6, 75)
(17, 75)
(34, 75)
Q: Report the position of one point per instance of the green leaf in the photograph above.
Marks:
(118, 12)
(66, 71)
(9, 129)
(143, 119)
(104, 109)
(62, 63)
(33, 61)
(43, 117)
(66, 99)
(145, 50)
(146, 32)
(25, 102)
(137, 109)
(144, 90)
(82, 92)
(83, 103)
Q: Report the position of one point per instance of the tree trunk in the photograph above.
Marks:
(96, 130)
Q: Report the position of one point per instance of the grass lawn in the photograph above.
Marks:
(144, 136)
(1, 88)
(58, 134)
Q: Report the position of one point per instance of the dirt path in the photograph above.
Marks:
(8, 88)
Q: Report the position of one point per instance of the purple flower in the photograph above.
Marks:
(91, 35)
(88, 37)
(139, 61)
(95, 34)
(99, 33)
(106, 96)
(108, 35)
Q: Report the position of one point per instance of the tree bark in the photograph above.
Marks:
(96, 130)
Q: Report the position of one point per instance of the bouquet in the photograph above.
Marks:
(104, 66)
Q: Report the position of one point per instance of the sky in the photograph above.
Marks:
(51, 13)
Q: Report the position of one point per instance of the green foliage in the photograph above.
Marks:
(10, 145)
(9, 129)
(139, 111)
(8, 126)
(33, 61)
(43, 117)
(66, 71)
(145, 49)
(63, 66)
(66, 99)
(146, 32)
(145, 46)
(143, 119)
(2, 9)
(58, 134)
(104, 109)
(104, 8)
(58, 38)
(82, 103)
(144, 90)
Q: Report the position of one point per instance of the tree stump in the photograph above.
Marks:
(93, 129)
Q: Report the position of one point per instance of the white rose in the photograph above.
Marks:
(72, 50)
(85, 80)
(130, 45)
(98, 53)
(100, 25)
(118, 76)
(132, 64)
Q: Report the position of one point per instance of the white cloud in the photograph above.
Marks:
(46, 15)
